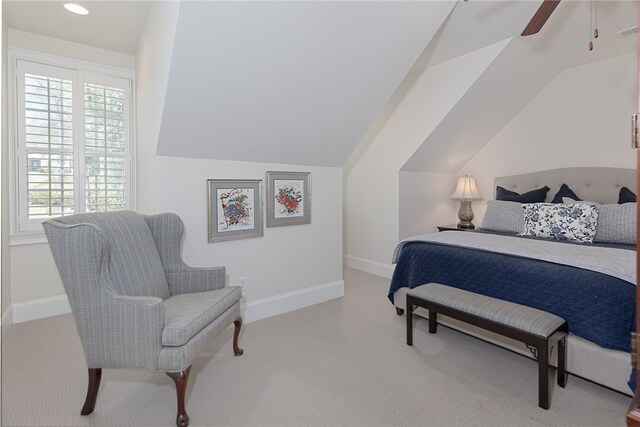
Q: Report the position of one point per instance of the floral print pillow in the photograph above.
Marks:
(575, 222)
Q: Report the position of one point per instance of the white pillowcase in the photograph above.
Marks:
(574, 222)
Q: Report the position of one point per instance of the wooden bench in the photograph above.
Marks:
(539, 330)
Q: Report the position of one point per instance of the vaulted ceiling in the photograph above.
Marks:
(518, 74)
(563, 39)
(287, 82)
(303, 82)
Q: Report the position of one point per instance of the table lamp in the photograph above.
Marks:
(466, 192)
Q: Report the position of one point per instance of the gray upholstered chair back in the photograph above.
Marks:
(168, 231)
(134, 265)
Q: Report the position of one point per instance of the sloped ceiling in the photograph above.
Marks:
(287, 82)
(565, 36)
(563, 39)
(510, 82)
(111, 25)
(518, 74)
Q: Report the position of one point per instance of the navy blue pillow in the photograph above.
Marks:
(565, 191)
(533, 196)
(626, 196)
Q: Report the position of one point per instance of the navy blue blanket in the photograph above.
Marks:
(597, 307)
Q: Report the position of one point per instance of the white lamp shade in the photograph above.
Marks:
(467, 189)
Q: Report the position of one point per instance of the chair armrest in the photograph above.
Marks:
(192, 279)
(125, 332)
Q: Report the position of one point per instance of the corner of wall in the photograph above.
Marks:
(153, 63)
(4, 179)
(6, 322)
(375, 214)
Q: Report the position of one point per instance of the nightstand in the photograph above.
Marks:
(453, 227)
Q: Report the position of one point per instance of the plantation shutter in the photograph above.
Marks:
(105, 134)
(47, 141)
(73, 143)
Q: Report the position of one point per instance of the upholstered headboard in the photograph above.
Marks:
(593, 184)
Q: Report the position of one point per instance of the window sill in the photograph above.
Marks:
(27, 239)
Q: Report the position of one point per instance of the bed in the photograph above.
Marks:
(592, 286)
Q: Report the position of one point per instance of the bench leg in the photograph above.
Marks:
(562, 361)
(409, 325)
(433, 322)
(543, 376)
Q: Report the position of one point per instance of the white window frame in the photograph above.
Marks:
(23, 230)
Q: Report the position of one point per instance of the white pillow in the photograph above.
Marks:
(575, 222)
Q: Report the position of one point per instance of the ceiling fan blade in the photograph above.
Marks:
(540, 18)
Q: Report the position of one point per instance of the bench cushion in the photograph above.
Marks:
(517, 316)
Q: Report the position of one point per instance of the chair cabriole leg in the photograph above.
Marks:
(236, 333)
(95, 375)
(181, 378)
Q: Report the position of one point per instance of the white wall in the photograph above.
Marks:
(372, 185)
(32, 271)
(37, 43)
(153, 59)
(581, 118)
(4, 178)
(287, 268)
(425, 202)
(286, 259)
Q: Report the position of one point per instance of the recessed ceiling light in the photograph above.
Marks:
(76, 8)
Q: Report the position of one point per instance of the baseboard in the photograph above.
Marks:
(7, 316)
(40, 308)
(253, 310)
(6, 321)
(283, 303)
(368, 266)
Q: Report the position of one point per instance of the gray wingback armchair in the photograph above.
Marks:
(136, 304)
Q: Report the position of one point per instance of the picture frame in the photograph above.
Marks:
(234, 209)
(288, 198)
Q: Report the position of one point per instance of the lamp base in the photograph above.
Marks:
(465, 215)
(466, 225)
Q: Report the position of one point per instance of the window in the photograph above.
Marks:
(73, 149)
(105, 142)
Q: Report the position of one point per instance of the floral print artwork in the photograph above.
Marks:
(289, 196)
(574, 222)
(236, 210)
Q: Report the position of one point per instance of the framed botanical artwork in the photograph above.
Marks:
(288, 198)
(235, 209)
